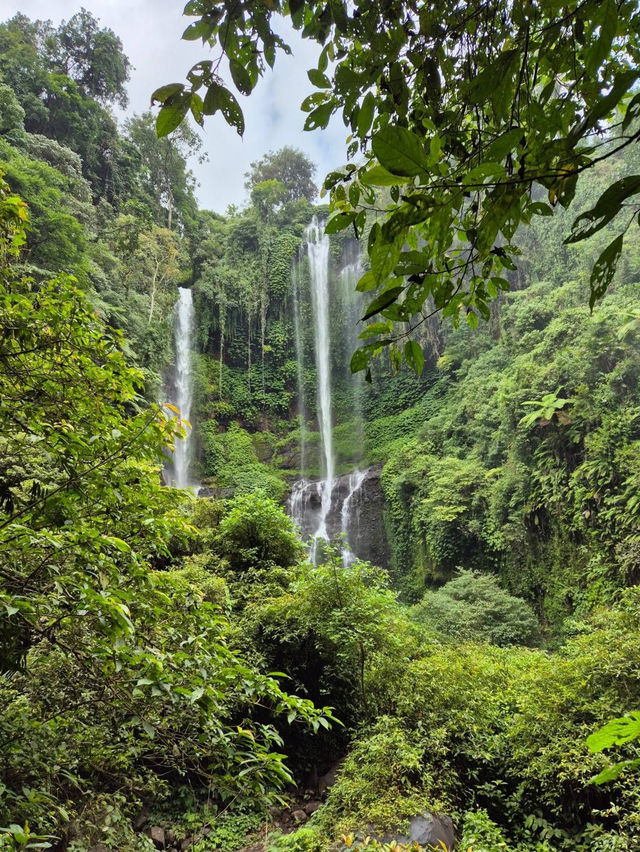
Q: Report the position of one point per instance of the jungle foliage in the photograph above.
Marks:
(119, 683)
(163, 660)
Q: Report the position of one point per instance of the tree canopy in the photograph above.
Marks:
(465, 122)
(290, 167)
(93, 57)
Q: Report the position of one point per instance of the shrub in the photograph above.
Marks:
(256, 532)
(474, 607)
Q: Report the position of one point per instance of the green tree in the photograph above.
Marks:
(91, 56)
(288, 165)
(164, 176)
(474, 607)
(157, 265)
(56, 239)
(12, 116)
(256, 532)
(477, 118)
(64, 107)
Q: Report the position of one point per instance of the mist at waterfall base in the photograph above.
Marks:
(323, 508)
(177, 473)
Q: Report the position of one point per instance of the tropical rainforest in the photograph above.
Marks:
(397, 606)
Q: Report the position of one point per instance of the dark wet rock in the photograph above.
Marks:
(156, 833)
(429, 831)
(432, 830)
(326, 781)
(299, 816)
(366, 531)
(141, 820)
(215, 492)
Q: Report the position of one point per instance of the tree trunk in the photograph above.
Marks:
(170, 203)
(249, 347)
(263, 326)
(154, 285)
(221, 310)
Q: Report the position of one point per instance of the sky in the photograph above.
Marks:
(150, 31)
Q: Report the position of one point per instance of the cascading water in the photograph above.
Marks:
(355, 481)
(318, 248)
(183, 326)
(296, 501)
(297, 325)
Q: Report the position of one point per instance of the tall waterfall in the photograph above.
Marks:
(297, 326)
(183, 389)
(318, 248)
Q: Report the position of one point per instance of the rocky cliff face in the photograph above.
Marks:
(357, 511)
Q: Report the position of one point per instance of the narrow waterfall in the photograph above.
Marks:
(297, 326)
(296, 502)
(318, 247)
(355, 481)
(183, 327)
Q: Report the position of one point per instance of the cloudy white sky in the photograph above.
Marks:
(150, 31)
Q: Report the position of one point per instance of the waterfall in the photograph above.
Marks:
(183, 327)
(297, 326)
(296, 502)
(333, 505)
(355, 481)
(318, 248)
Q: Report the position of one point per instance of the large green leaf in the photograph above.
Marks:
(379, 176)
(603, 106)
(608, 206)
(339, 222)
(165, 92)
(241, 77)
(219, 98)
(365, 116)
(615, 770)
(413, 356)
(383, 301)
(383, 256)
(172, 114)
(319, 79)
(617, 732)
(608, 23)
(319, 117)
(604, 269)
(400, 151)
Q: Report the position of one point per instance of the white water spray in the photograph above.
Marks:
(183, 326)
(355, 481)
(297, 324)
